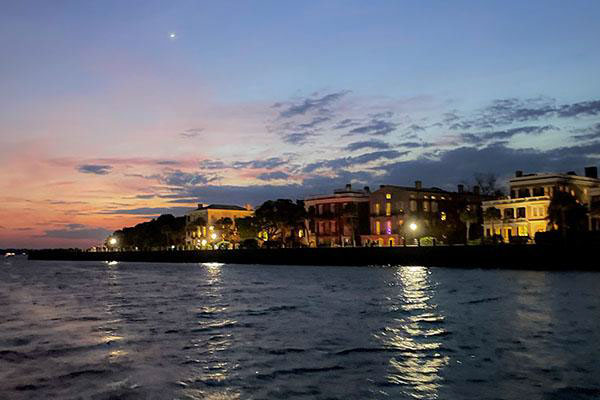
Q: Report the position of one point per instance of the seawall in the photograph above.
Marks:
(534, 257)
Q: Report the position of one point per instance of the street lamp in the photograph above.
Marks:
(213, 236)
(112, 241)
(413, 226)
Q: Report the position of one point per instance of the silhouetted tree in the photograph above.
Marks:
(492, 214)
(566, 214)
(280, 217)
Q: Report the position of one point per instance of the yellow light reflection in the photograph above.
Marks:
(417, 336)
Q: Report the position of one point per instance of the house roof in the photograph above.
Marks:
(221, 207)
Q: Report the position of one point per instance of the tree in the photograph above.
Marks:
(468, 215)
(492, 214)
(227, 229)
(247, 228)
(158, 233)
(351, 219)
(488, 184)
(279, 218)
(566, 214)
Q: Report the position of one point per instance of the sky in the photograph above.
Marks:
(114, 112)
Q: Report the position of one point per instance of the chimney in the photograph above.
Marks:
(591, 172)
(519, 173)
(461, 188)
(367, 189)
(348, 187)
(418, 185)
(476, 190)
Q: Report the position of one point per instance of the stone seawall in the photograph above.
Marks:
(504, 256)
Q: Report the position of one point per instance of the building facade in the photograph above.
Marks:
(401, 214)
(338, 219)
(525, 211)
(201, 229)
(594, 209)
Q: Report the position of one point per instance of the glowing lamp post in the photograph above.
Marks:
(413, 228)
(112, 242)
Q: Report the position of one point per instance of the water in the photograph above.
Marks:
(190, 331)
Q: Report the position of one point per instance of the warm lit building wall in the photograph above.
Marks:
(210, 214)
(393, 208)
(329, 220)
(518, 217)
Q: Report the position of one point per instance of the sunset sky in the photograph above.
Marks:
(113, 112)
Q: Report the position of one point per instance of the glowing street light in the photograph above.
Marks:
(112, 241)
(204, 242)
(413, 226)
(213, 236)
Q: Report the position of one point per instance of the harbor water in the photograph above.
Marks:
(97, 330)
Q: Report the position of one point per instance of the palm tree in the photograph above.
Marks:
(350, 217)
(492, 214)
(468, 216)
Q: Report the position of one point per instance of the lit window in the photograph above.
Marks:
(426, 206)
(377, 209)
(388, 196)
(413, 205)
(388, 227)
(388, 209)
(377, 227)
(443, 216)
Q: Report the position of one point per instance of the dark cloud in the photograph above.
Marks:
(267, 163)
(581, 108)
(377, 127)
(345, 162)
(212, 164)
(504, 112)
(149, 211)
(414, 128)
(346, 123)
(181, 178)
(504, 134)
(77, 231)
(269, 176)
(414, 145)
(453, 166)
(368, 144)
(297, 137)
(593, 132)
(313, 123)
(191, 133)
(310, 104)
(167, 162)
(94, 169)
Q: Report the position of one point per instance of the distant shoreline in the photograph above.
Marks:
(525, 257)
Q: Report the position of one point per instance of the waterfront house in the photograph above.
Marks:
(525, 211)
(400, 214)
(201, 223)
(338, 219)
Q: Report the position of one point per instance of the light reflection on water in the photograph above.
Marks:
(224, 332)
(211, 338)
(417, 335)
